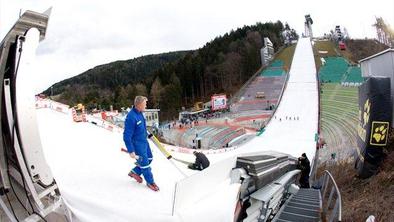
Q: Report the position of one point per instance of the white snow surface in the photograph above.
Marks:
(91, 172)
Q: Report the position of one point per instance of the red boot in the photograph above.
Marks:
(153, 187)
(135, 176)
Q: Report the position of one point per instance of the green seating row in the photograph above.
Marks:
(354, 75)
(345, 105)
(274, 69)
(333, 70)
(277, 63)
(346, 127)
(339, 115)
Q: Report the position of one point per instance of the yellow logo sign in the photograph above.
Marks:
(379, 133)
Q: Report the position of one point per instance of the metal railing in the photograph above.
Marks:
(335, 212)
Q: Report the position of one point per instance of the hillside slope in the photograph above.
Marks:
(220, 66)
(362, 48)
(97, 85)
(361, 198)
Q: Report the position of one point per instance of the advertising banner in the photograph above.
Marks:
(219, 102)
(375, 112)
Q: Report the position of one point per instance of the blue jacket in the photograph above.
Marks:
(135, 134)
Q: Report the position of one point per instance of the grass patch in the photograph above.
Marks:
(286, 55)
(325, 46)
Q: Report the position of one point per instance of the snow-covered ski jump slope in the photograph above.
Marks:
(91, 172)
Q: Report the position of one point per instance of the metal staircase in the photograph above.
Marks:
(269, 191)
(304, 206)
(313, 204)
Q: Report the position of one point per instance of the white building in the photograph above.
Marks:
(152, 117)
(267, 52)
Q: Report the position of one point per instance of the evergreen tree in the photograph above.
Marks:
(155, 93)
(140, 90)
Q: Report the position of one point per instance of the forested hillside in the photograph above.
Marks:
(220, 66)
(104, 84)
(362, 48)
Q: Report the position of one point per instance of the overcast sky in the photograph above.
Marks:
(86, 33)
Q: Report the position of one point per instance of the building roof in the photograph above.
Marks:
(152, 110)
(377, 54)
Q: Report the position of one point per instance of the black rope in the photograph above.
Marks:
(17, 197)
(7, 155)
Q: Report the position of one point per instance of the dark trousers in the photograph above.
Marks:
(194, 167)
(304, 181)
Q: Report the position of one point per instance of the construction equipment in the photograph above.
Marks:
(198, 106)
(260, 95)
(79, 113)
(342, 45)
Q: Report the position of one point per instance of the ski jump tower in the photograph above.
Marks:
(308, 26)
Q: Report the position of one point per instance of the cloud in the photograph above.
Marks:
(84, 34)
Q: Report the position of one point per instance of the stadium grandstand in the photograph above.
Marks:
(339, 108)
(333, 70)
(339, 70)
(256, 102)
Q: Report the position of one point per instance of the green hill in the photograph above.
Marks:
(95, 85)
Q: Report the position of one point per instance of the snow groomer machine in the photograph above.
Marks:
(269, 190)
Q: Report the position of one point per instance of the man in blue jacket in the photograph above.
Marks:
(135, 139)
